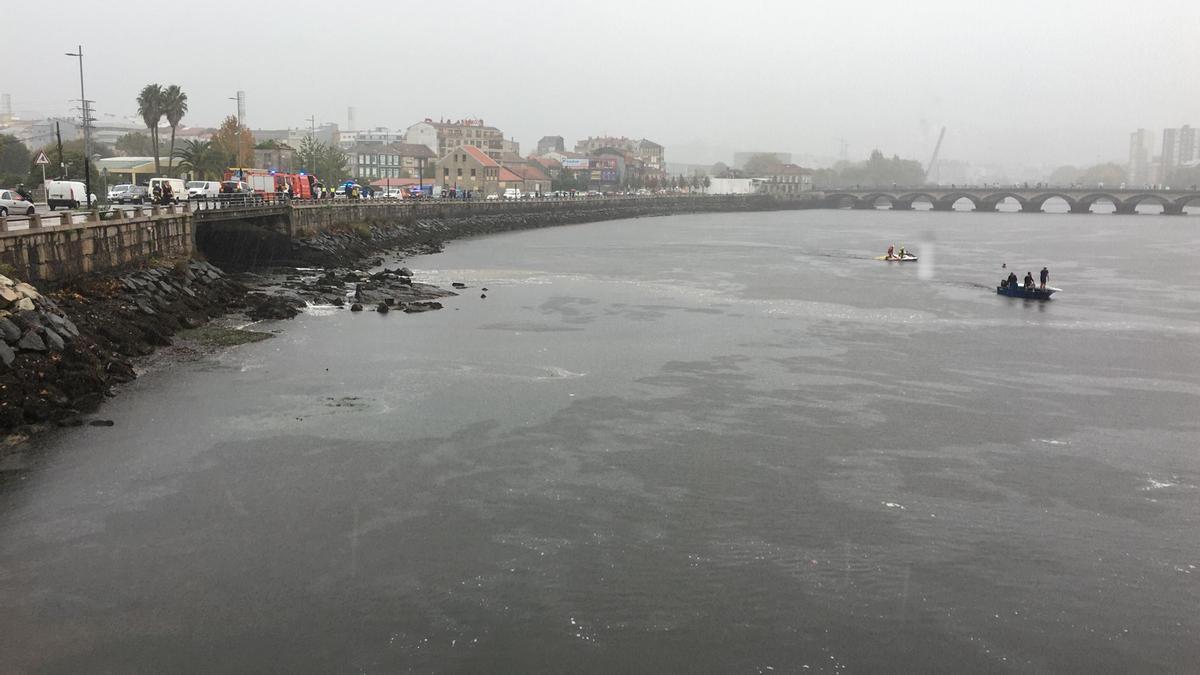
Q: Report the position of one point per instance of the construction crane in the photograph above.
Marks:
(936, 149)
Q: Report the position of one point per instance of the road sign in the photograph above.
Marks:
(41, 159)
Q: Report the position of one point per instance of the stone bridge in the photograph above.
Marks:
(1031, 200)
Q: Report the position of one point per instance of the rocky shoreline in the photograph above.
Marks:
(63, 352)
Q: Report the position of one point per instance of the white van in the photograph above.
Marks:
(178, 189)
(512, 193)
(69, 194)
(203, 189)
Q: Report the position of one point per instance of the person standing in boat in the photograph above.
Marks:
(902, 252)
(1012, 279)
(1029, 280)
(891, 251)
(1045, 276)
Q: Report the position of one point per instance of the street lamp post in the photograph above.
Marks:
(87, 136)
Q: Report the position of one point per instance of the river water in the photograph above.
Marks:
(705, 443)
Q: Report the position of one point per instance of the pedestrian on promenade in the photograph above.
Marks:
(1045, 276)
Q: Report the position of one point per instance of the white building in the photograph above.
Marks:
(376, 136)
(733, 186)
(423, 133)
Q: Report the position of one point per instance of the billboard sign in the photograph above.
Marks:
(575, 164)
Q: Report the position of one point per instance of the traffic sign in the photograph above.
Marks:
(41, 159)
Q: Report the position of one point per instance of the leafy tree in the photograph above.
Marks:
(326, 162)
(234, 142)
(1064, 175)
(174, 107)
(150, 108)
(1108, 174)
(720, 170)
(1184, 178)
(203, 159)
(707, 182)
(763, 164)
(73, 158)
(15, 159)
(877, 171)
(134, 144)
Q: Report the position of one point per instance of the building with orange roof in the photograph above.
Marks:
(467, 167)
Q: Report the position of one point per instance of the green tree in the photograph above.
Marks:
(15, 159)
(326, 162)
(1064, 175)
(234, 142)
(134, 144)
(203, 159)
(150, 109)
(763, 164)
(174, 107)
(73, 158)
(1110, 175)
(1184, 178)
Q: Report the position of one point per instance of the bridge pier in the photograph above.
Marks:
(1172, 209)
(1126, 209)
(943, 205)
(902, 206)
(986, 207)
(1081, 208)
(862, 205)
(1030, 207)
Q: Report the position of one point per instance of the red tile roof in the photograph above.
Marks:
(479, 155)
(508, 175)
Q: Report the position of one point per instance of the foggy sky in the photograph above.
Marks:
(1049, 82)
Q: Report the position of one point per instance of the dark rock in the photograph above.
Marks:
(101, 423)
(31, 342)
(339, 302)
(9, 331)
(483, 295)
(383, 308)
(407, 281)
(404, 272)
(53, 340)
(458, 284)
(356, 307)
(484, 289)
(390, 301)
(7, 355)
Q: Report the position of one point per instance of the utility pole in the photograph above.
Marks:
(62, 163)
(87, 136)
(312, 127)
(845, 145)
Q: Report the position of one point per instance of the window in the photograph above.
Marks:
(446, 172)
(472, 173)
(460, 173)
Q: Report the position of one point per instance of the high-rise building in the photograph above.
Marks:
(1141, 154)
(1179, 148)
(441, 137)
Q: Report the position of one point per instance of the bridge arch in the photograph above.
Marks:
(1188, 200)
(1085, 202)
(995, 198)
(950, 199)
(1131, 202)
(841, 200)
(1039, 200)
(911, 197)
(874, 197)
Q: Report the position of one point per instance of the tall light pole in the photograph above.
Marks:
(87, 136)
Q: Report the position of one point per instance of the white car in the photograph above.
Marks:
(203, 189)
(115, 191)
(13, 203)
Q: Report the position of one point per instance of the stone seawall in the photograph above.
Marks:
(49, 256)
(338, 234)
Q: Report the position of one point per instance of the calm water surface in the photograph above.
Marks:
(715, 443)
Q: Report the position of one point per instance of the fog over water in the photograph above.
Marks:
(709, 443)
(1024, 83)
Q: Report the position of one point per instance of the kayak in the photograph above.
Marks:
(1019, 291)
(908, 257)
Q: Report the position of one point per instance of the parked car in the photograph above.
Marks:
(11, 202)
(237, 192)
(136, 194)
(203, 189)
(68, 193)
(512, 193)
(178, 189)
(116, 190)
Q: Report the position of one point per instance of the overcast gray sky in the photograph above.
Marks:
(1054, 81)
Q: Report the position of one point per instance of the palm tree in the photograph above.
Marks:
(174, 106)
(201, 158)
(150, 108)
